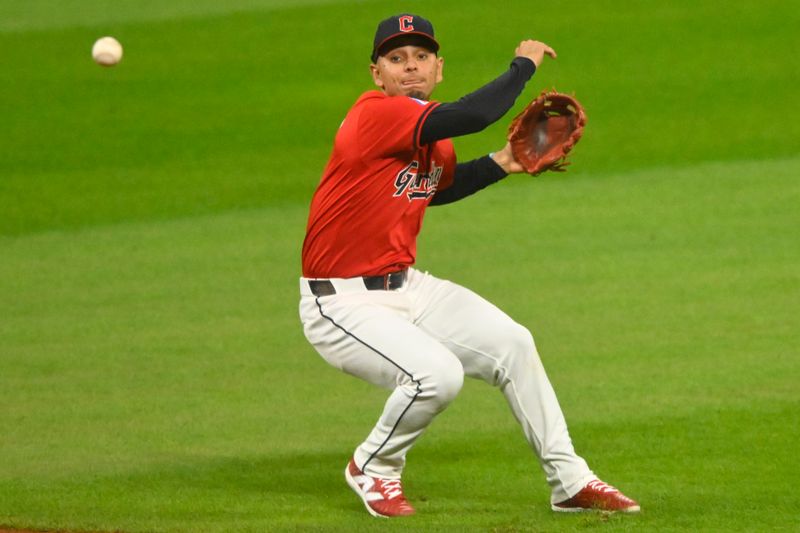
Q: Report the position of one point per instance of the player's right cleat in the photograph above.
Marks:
(597, 496)
(381, 497)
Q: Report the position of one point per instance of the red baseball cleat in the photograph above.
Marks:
(381, 497)
(597, 496)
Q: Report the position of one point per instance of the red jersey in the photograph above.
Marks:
(368, 208)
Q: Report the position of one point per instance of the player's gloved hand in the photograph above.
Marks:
(545, 132)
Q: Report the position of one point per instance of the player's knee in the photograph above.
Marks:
(517, 340)
(444, 382)
(519, 346)
(451, 385)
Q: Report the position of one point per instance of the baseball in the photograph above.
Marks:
(107, 51)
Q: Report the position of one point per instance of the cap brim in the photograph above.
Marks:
(425, 36)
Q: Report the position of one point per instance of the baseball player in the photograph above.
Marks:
(369, 313)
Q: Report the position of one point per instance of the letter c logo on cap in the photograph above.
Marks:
(406, 23)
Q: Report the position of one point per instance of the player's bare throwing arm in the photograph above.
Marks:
(369, 313)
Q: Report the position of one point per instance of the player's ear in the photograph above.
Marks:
(376, 75)
(439, 74)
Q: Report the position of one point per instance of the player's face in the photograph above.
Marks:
(408, 71)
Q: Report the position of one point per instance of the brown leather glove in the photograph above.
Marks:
(544, 133)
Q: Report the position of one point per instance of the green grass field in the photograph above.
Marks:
(153, 372)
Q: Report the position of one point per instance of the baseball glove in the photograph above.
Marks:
(544, 133)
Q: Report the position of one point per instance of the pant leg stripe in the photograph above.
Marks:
(406, 372)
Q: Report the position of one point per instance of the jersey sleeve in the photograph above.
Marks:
(392, 125)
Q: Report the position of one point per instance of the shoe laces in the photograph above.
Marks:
(391, 488)
(600, 486)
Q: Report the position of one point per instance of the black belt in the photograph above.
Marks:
(387, 282)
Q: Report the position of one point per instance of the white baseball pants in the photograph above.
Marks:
(420, 341)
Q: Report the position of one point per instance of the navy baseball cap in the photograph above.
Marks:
(401, 25)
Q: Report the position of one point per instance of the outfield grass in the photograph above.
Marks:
(153, 372)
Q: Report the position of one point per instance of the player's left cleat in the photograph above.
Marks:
(381, 497)
(597, 496)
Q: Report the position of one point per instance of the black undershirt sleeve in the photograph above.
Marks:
(477, 110)
(470, 177)
(470, 114)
